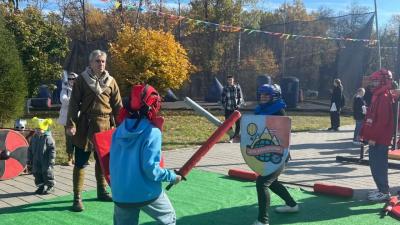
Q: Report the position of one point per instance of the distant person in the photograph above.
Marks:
(42, 156)
(231, 101)
(56, 93)
(378, 130)
(337, 103)
(62, 119)
(359, 111)
(271, 103)
(95, 102)
(44, 91)
(135, 157)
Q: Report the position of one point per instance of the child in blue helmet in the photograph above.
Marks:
(271, 103)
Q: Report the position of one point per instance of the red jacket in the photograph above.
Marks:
(378, 125)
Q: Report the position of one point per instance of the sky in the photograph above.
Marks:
(386, 8)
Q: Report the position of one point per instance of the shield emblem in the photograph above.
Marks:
(265, 142)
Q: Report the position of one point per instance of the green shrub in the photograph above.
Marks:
(13, 86)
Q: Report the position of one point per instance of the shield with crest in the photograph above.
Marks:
(265, 142)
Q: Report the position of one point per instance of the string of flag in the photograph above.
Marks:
(230, 28)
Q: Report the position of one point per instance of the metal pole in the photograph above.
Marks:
(377, 36)
(179, 20)
(284, 41)
(397, 67)
(137, 13)
(238, 55)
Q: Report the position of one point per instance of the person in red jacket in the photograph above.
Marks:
(378, 129)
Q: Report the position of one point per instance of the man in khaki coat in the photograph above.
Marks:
(95, 102)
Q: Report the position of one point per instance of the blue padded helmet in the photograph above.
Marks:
(273, 90)
(266, 89)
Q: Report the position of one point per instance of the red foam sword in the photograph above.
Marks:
(211, 141)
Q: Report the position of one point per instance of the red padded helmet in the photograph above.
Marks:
(145, 99)
(381, 75)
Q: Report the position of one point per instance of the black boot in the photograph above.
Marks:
(102, 193)
(40, 190)
(78, 179)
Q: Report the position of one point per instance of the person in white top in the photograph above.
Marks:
(62, 119)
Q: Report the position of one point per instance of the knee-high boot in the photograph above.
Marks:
(102, 193)
(78, 179)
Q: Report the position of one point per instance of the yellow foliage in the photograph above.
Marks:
(148, 56)
(96, 24)
(261, 61)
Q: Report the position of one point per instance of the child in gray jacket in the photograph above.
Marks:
(41, 156)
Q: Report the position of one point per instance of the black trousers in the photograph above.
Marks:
(82, 157)
(335, 119)
(263, 184)
(228, 113)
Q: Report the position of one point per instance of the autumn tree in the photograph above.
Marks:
(148, 56)
(12, 79)
(42, 46)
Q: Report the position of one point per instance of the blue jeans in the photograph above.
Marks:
(357, 130)
(161, 210)
(378, 163)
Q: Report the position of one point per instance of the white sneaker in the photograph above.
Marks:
(356, 143)
(287, 209)
(378, 197)
(259, 223)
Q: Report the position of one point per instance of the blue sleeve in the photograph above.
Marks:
(151, 157)
(257, 110)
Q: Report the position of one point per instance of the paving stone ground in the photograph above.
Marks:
(313, 160)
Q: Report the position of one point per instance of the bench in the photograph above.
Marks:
(41, 104)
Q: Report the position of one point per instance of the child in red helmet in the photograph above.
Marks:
(135, 156)
(378, 129)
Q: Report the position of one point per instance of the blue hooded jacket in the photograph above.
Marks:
(135, 156)
(270, 108)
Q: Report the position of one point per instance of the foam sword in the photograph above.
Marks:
(211, 141)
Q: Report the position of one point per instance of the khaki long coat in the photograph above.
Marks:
(90, 113)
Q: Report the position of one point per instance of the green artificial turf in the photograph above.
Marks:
(206, 199)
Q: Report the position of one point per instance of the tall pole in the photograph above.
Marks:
(238, 55)
(239, 44)
(397, 67)
(377, 36)
(284, 41)
(397, 75)
(179, 20)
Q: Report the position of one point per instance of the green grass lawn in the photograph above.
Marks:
(185, 128)
(207, 199)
